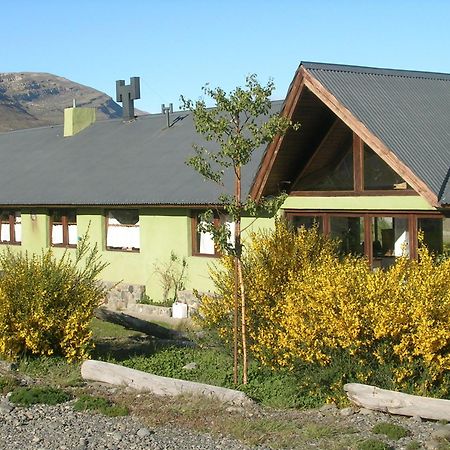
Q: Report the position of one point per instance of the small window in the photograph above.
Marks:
(63, 228)
(203, 243)
(122, 230)
(10, 227)
(307, 221)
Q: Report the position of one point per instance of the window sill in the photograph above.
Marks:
(206, 255)
(63, 246)
(123, 250)
(10, 243)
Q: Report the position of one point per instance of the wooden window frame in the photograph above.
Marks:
(65, 226)
(412, 217)
(217, 221)
(12, 229)
(115, 249)
(358, 179)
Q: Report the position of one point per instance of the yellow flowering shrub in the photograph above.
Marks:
(306, 304)
(46, 304)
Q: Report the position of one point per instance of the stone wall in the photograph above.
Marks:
(127, 297)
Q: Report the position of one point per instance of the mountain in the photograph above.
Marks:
(29, 99)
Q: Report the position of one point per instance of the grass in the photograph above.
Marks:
(102, 330)
(373, 444)
(27, 396)
(101, 405)
(7, 384)
(392, 431)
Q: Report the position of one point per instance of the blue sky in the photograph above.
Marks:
(177, 46)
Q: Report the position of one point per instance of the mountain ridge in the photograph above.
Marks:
(35, 99)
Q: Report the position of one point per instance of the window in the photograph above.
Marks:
(10, 227)
(350, 232)
(203, 243)
(307, 222)
(378, 175)
(63, 228)
(122, 230)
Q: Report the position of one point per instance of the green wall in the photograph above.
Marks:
(162, 230)
(400, 203)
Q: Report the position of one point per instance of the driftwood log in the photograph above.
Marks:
(371, 397)
(142, 381)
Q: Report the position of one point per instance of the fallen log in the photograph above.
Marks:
(392, 402)
(142, 381)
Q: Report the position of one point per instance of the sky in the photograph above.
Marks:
(176, 47)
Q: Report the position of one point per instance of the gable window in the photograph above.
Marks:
(10, 227)
(203, 243)
(122, 230)
(378, 174)
(63, 228)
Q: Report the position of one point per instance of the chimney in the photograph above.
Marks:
(77, 119)
(127, 94)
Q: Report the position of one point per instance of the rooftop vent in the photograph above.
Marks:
(127, 94)
(167, 110)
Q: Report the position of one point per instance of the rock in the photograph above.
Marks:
(433, 444)
(331, 407)
(117, 436)
(366, 412)
(190, 366)
(346, 412)
(5, 407)
(416, 419)
(235, 409)
(443, 432)
(143, 432)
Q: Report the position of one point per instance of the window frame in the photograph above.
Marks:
(123, 249)
(411, 216)
(65, 227)
(358, 178)
(219, 219)
(12, 214)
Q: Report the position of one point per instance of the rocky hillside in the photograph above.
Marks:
(30, 99)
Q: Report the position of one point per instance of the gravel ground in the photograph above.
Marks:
(59, 427)
(43, 427)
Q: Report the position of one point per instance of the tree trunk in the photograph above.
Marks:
(236, 320)
(243, 325)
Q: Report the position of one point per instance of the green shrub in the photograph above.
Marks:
(26, 396)
(47, 303)
(392, 431)
(7, 384)
(101, 405)
(373, 444)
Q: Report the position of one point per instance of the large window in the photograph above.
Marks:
(63, 228)
(381, 237)
(202, 242)
(10, 227)
(122, 230)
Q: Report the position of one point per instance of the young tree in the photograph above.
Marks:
(237, 125)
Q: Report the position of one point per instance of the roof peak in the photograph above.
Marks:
(310, 65)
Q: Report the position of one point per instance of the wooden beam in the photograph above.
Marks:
(292, 97)
(369, 138)
(358, 163)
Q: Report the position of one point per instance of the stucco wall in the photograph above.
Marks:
(162, 230)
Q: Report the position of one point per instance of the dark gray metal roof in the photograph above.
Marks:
(408, 110)
(110, 163)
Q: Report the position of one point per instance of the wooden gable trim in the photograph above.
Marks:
(291, 101)
(369, 138)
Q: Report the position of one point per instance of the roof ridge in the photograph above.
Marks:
(401, 73)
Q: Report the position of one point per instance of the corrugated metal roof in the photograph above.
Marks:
(110, 163)
(408, 110)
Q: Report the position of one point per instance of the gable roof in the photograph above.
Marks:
(403, 115)
(141, 162)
